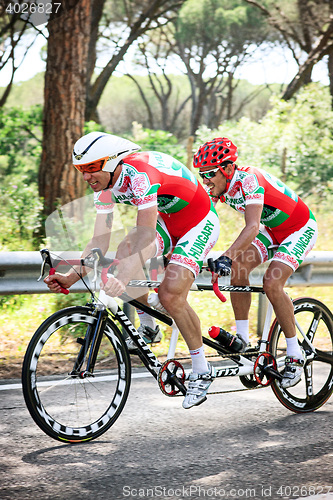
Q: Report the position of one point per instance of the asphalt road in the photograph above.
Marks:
(239, 445)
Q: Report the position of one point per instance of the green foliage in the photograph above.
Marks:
(93, 127)
(209, 23)
(20, 149)
(305, 129)
(294, 141)
(21, 210)
(158, 140)
(20, 141)
(28, 93)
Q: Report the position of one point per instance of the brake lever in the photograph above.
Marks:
(46, 259)
(95, 276)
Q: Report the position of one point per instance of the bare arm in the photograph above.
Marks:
(134, 251)
(100, 239)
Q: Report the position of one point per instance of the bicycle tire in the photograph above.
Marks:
(66, 407)
(316, 385)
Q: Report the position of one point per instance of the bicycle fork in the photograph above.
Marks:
(91, 342)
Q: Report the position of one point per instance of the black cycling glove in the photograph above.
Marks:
(221, 266)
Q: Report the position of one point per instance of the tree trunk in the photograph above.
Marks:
(198, 109)
(64, 108)
(330, 74)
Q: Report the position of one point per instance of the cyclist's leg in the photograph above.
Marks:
(186, 261)
(286, 259)
(241, 268)
(288, 256)
(274, 281)
(185, 264)
(148, 327)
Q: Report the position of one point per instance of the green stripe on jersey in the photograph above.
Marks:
(273, 218)
(170, 204)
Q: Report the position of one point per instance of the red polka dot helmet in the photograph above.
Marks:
(214, 153)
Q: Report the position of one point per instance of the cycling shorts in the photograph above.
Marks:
(293, 249)
(191, 249)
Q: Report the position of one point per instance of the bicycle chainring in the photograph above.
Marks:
(264, 360)
(170, 369)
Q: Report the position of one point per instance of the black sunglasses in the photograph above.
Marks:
(209, 174)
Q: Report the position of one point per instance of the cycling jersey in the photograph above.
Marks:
(286, 221)
(152, 178)
(155, 179)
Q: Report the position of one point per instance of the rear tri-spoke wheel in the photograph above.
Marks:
(67, 403)
(315, 320)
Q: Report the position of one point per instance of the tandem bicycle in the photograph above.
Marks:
(76, 372)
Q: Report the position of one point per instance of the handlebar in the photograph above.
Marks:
(93, 260)
(218, 292)
(63, 290)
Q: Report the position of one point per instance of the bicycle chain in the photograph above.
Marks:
(252, 353)
(227, 392)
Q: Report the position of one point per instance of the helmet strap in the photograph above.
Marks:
(228, 176)
(112, 176)
(110, 181)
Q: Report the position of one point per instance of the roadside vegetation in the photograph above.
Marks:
(292, 140)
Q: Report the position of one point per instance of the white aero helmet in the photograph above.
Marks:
(100, 151)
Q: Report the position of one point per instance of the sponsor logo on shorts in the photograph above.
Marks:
(201, 241)
(186, 262)
(288, 259)
(261, 248)
(160, 244)
(302, 244)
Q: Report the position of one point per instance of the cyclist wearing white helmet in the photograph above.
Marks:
(278, 226)
(175, 216)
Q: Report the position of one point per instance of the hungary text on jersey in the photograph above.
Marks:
(187, 223)
(287, 224)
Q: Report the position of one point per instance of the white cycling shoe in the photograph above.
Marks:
(198, 387)
(293, 370)
(150, 335)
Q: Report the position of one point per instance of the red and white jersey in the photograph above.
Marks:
(283, 211)
(156, 179)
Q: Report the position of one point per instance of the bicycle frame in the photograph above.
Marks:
(240, 364)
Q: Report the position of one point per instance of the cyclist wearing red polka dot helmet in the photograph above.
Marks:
(218, 153)
(279, 227)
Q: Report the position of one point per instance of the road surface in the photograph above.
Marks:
(239, 445)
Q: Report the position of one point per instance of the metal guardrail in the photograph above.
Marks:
(19, 272)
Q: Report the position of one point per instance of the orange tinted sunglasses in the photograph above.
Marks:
(95, 166)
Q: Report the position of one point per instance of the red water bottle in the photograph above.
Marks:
(226, 339)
